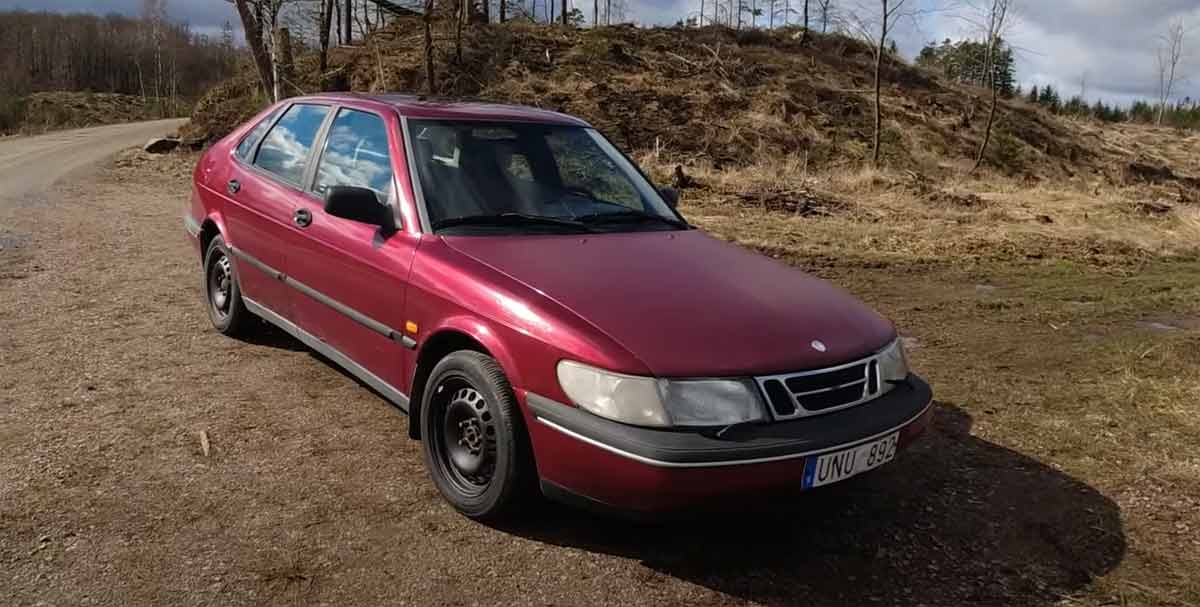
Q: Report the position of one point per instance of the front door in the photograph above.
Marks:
(352, 276)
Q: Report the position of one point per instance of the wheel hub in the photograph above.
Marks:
(469, 436)
(220, 285)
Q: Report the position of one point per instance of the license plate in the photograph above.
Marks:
(841, 465)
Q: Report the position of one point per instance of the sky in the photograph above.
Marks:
(1107, 43)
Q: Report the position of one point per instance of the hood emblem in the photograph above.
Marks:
(818, 345)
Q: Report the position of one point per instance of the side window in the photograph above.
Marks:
(356, 154)
(285, 149)
(250, 141)
(582, 164)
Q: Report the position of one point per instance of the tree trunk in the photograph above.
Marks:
(252, 25)
(430, 83)
(989, 65)
(326, 23)
(987, 130)
(607, 12)
(804, 32)
(503, 10)
(349, 14)
(883, 31)
(338, 16)
(596, 11)
(458, 28)
(283, 64)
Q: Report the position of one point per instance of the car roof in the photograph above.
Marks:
(415, 106)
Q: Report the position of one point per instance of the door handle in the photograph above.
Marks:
(302, 217)
(233, 187)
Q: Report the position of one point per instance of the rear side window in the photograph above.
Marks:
(356, 154)
(246, 148)
(285, 149)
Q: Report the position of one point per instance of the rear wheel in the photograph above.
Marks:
(226, 309)
(473, 437)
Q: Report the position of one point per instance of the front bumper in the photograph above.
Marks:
(644, 469)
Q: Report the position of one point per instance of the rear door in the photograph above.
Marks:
(352, 276)
(262, 189)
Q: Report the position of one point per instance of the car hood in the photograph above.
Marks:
(687, 304)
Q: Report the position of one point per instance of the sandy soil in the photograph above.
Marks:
(312, 494)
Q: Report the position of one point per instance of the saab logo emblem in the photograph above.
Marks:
(818, 345)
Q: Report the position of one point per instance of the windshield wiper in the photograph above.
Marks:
(632, 215)
(511, 219)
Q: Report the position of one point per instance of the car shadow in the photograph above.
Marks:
(268, 335)
(954, 519)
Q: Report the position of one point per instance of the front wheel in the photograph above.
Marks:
(226, 309)
(473, 437)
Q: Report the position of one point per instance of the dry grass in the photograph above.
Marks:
(904, 216)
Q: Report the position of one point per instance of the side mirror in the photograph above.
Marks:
(671, 195)
(359, 204)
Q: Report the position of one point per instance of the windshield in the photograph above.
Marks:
(531, 177)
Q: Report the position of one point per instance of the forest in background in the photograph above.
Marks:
(150, 66)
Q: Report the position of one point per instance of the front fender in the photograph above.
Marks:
(490, 336)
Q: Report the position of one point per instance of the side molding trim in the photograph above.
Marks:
(394, 395)
(343, 309)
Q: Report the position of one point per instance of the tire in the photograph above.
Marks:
(473, 437)
(223, 293)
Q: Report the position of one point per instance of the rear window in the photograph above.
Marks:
(245, 149)
(285, 149)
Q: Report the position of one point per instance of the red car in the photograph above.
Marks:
(542, 312)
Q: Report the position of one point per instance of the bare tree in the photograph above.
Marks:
(1167, 58)
(825, 9)
(874, 24)
(325, 23)
(995, 22)
(154, 15)
(253, 21)
(427, 20)
(804, 35)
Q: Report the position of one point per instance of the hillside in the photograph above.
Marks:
(46, 111)
(774, 130)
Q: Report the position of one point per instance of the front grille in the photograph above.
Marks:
(793, 395)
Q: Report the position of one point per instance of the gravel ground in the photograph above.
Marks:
(312, 494)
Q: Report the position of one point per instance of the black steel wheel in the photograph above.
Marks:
(226, 309)
(475, 445)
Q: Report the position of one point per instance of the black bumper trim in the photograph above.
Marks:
(746, 445)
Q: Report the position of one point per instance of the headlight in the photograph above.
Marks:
(648, 401)
(893, 364)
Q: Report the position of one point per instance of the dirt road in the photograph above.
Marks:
(29, 164)
(1043, 480)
